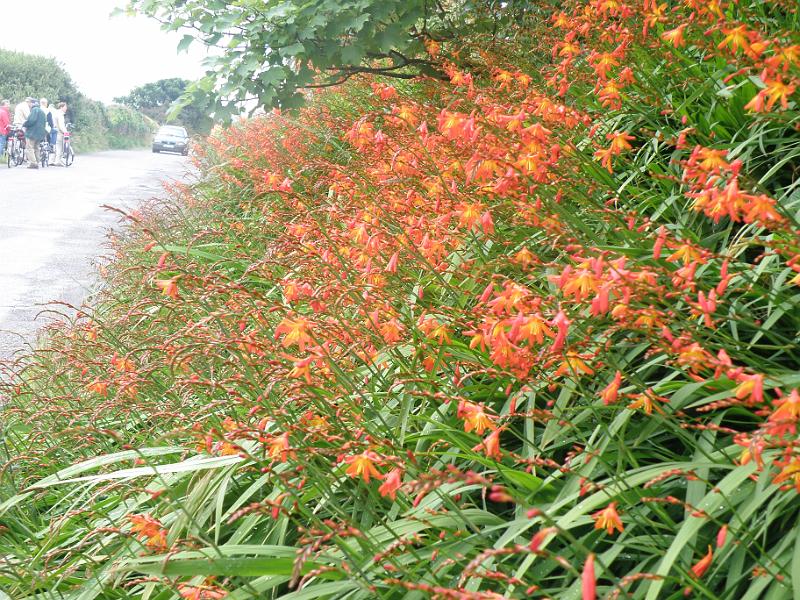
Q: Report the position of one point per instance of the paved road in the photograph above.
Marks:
(52, 231)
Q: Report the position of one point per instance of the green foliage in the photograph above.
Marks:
(128, 128)
(269, 51)
(24, 75)
(157, 99)
(158, 94)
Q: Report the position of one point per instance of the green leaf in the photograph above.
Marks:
(185, 42)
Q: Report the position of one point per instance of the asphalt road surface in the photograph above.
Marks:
(53, 231)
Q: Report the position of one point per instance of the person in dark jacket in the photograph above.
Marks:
(52, 131)
(35, 132)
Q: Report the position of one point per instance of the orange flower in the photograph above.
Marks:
(710, 159)
(391, 330)
(123, 364)
(784, 57)
(98, 387)
(646, 402)
(475, 418)
(470, 214)
(684, 253)
(789, 472)
(737, 38)
(296, 332)
(150, 531)
(504, 78)
(524, 257)
(722, 535)
(580, 285)
(588, 582)
(503, 353)
(611, 391)
(610, 95)
(675, 36)
(432, 47)
(602, 63)
(751, 388)
(761, 209)
(608, 519)
(201, 592)
(540, 536)
(435, 330)
(786, 413)
(523, 79)
(363, 465)
(562, 323)
(168, 287)
(701, 566)
(531, 329)
(775, 91)
(391, 484)
(753, 449)
(490, 446)
(278, 447)
(302, 369)
(574, 366)
(619, 142)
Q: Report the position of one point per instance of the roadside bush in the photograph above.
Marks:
(23, 75)
(529, 333)
(129, 128)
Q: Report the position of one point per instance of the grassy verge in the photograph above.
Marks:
(529, 333)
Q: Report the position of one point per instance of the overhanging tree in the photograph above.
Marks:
(269, 50)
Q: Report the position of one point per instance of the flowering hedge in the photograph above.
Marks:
(529, 333)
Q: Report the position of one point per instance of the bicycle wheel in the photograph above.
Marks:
(69, 156)
(10, 154)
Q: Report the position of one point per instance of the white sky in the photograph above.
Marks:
(106, 57)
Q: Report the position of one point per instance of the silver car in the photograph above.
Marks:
(171, 138)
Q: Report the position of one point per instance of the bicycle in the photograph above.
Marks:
(45, 150)
(15, 149)
(68, 154)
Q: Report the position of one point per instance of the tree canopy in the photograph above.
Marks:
(158, 99)
(268, 51)
(155, 95)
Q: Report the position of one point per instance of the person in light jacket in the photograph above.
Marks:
(22, 111)
(60, 127)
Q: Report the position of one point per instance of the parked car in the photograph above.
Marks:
(171, 138)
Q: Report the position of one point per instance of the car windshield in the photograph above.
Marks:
(174, 131)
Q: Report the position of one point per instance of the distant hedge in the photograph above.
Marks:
(97, 127)
(128, 128)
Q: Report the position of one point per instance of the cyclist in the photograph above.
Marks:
(60, 127)
(5, 125)
(34, 133)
